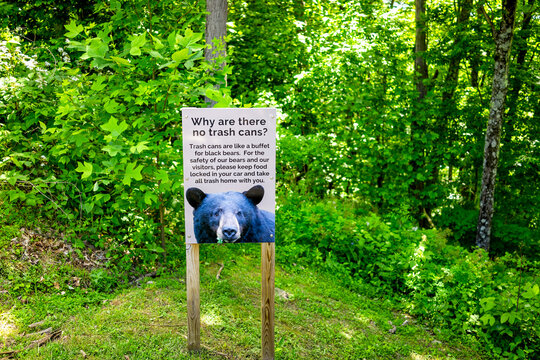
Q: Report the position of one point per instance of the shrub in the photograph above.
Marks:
(339, 231)
(96, 143)
(461, 291)
(468, 293)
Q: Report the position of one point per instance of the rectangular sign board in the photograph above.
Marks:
(229, 174)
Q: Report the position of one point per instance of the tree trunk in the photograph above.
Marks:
(503, 45)
(452, 77)
(517, 81)
(447, 119)
(420, 47)
(216, 30)
(421, 75)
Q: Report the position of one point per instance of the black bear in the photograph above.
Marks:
(231, 216)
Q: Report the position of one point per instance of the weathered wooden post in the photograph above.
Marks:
(268, 264)
(193, 298)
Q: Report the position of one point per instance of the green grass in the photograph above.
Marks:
(320, 320)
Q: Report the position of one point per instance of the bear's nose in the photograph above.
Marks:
(229, 233)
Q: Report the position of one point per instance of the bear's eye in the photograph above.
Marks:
(217, 212)
(239, 213)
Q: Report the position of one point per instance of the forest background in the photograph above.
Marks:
(383, 111)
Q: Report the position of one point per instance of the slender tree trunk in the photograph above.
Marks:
(448, 107)
(503, 45)
(420, 65)
(517, 81)
(452, 77)
(417, 127)
(216, 30)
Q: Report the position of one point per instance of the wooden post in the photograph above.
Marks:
(268, 265)
(193, 297)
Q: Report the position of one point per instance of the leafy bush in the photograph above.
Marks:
(339, 231)
(97, 138)
(461, 291)
(506, 235)
(466, 292)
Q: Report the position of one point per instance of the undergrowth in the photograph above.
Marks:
(462, 292)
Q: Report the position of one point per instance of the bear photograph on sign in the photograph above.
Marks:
(229, 175)
(231, 217)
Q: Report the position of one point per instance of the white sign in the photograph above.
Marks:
(229, 174)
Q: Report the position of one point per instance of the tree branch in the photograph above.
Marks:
(488, 19)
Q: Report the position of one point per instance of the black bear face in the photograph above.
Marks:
(225, 217)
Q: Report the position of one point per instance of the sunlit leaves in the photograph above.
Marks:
(180, 55)
(73, 29)
(114, 127)
(139, 148)
(133, 172)
(136, 44)
(120, 61)
(85, 168)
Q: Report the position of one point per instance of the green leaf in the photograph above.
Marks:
(139, 148)
(135, 51)
(114, 128)
(111, 107)
(188, 32)
(79, 139)
(88, 207)
(213, 94)
(488, 319)
(194, 38)
(136, 44)
(86, 169)
(531, 292)
(99, 84)
(16, 162)
(155, 54)
(138, 41)
(163, 176)
(112, 149)
(121, 61)
(132, 172)
(150, 197)
(180, 55)
(170, 64)
(97, 48)
(157, 43)
(504, 317)
(187, 39)
(222, 100)
(171, 39)
(73, 29)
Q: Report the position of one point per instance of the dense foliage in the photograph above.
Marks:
(90, 138)
(425, 271)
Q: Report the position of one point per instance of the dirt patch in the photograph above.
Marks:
(37, 246)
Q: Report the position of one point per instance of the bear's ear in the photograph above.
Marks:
(255, 194)
(195, 197)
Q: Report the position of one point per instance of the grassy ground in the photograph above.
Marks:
(319, 320)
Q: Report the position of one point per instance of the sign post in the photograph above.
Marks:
(229, 183)
(193, 298)
(268, 265)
